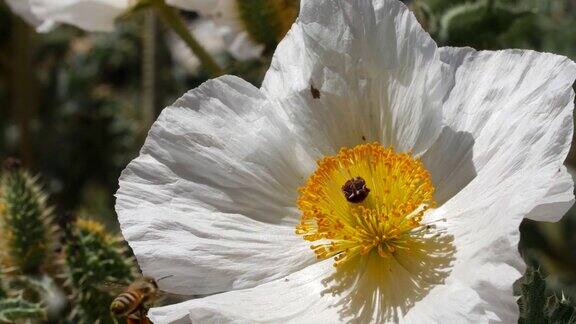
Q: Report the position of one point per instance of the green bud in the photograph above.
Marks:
(94, 257)
(25, 220)
(533, 297)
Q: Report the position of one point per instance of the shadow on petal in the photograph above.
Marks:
(449, 160)
(376, 289)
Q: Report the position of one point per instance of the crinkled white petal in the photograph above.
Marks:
(24, 9)
(509, 128)
(317, 294)
(558, 200)
(377, 72)
(207, 252)
(91, 15)
(217, 163)
(509, 113)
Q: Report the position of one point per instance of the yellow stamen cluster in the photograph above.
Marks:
(400, 191)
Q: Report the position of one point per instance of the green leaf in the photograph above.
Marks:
(477, 24)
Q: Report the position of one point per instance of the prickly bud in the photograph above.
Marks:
(533, 297)
(25, 220)
(93, 258)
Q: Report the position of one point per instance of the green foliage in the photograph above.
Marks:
(12, 309)
(533, 298)
(94, 258)
(25, 220)
(84, 98)
(538, 305)
(477, 24)
(543, 25)
(560, 311)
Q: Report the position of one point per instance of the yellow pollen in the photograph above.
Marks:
(400, 191)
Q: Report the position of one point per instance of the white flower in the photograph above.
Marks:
(213, 197)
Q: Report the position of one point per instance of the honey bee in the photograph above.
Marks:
(133, 303)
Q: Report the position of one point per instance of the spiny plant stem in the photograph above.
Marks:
(175, 21)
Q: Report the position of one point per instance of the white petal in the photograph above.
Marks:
(220, 155)
(558, 200)
(318, 294)
(509, 128)
(509, 112)
(91, 15)
(208, 252)
(377, 71)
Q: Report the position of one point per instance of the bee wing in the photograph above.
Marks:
(113, 288)
(163, 297)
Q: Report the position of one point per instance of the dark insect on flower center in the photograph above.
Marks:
(355, 190)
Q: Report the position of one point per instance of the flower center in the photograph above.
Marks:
(368, 199)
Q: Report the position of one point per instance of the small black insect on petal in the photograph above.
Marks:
(315, 92)
(355, 190)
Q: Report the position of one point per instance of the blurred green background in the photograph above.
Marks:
(75, 106)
